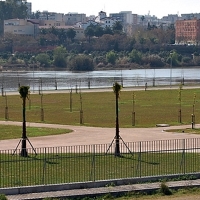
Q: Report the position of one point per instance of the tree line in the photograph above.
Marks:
(104, 48)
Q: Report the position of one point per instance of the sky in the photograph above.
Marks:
(158, 8)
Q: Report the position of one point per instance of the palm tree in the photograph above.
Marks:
(116, 88)
(24, 92)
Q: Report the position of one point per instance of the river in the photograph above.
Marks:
(60, 80)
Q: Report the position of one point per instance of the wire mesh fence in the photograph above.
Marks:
(55, 165)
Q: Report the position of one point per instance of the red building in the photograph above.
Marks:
(188, 32)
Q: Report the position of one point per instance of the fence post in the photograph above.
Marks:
(184, 167)
(140, 161)
(92, 173)
(94, 154)
(44, 166)
(182, 164)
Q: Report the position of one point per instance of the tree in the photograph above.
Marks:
(24, 92)
(98, 31)
(89, 32)
(135, 56)
(71, 33)
(43, 59)
(142, 18)
(111, 57)
(59, 56)
(81, 63)
(117, 88)
(117, 27)
(108, 31)
(62, 36)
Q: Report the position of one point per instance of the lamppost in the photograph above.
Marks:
(33, 73)
(171, 71)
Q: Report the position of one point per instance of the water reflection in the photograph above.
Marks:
(52, 80)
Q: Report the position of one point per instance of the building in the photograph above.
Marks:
(190, 16)
(125, 17)
(170, 19)
(73, 18)
(21, 27)
(51, 23)
(45, 15)
(187, 32)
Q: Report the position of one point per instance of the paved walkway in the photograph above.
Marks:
(92, 192)
(83, 135)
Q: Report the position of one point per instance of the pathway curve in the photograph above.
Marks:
(83, 135)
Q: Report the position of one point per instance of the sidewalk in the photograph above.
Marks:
(116, 190)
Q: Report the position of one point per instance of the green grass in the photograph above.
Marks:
(12, 132)
(55, 168)
(151, 107)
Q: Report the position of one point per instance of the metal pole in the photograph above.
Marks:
(33, 59)
(171, 73)
(117, 150)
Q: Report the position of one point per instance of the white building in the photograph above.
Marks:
(101, 20)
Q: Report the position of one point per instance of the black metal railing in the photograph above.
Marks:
(98, 162)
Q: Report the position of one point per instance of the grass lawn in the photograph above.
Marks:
(12, 132)
(151, 107)
(52, 168)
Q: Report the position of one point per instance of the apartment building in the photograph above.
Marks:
(50, 23)
(187, 32)
(125, 17)
(190, 16)
(21, 27)
(73, 18)
(45, 15)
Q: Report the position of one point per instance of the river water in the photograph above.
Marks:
(52, 80)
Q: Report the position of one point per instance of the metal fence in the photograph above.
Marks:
(98, 162)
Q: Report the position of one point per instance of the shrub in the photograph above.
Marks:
(81, 63)
(164, 189)
(153, 60)
(3, 197)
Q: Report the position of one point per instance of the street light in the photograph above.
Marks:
(171, 71)
(33, 73)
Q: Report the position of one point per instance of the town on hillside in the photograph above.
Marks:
(135, 35)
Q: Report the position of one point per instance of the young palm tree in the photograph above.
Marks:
(117, 88)
(24, 92)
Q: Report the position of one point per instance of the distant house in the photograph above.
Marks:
(21, 27)
(101, 20)
(86, 24)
